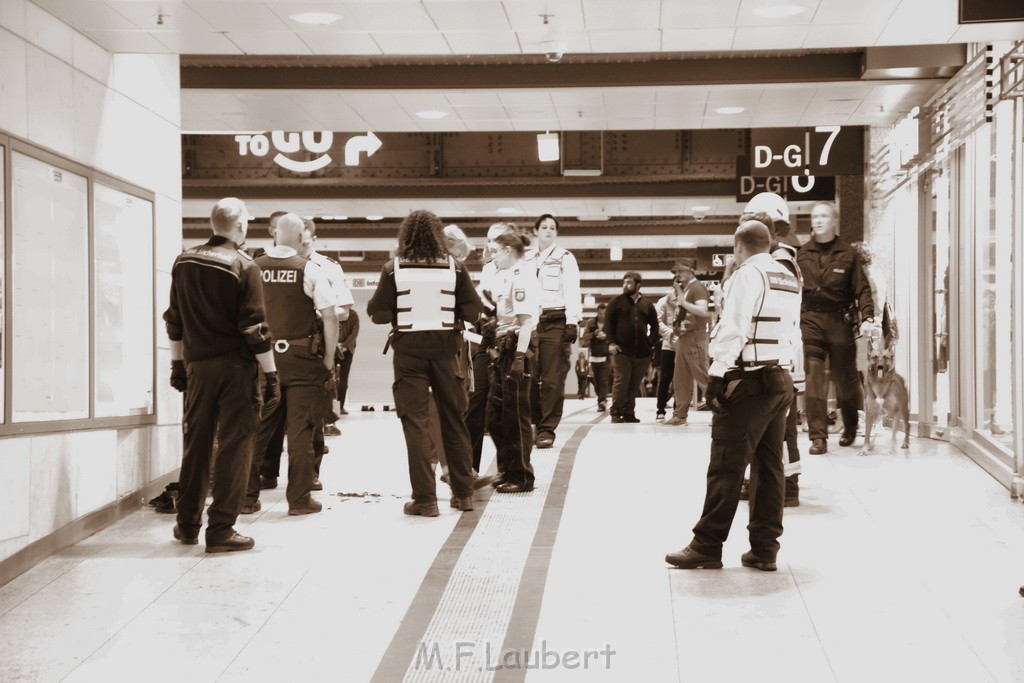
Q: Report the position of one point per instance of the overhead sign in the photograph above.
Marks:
(793, 188)
(822, 150)
(314, 142)
(980, 11)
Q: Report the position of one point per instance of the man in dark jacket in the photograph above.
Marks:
(632, 326)
(595, 339)
(834, 288)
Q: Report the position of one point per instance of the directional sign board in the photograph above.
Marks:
(793, 188)
(818, 151)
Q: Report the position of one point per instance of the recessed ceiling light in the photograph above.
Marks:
(375, 218)
(316, 18)
(341, 218)
(729, 110)
(687, 245)
(700, 208)
(507, 209)
(430, 114)
(780, 11)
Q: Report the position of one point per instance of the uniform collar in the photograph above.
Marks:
(543, 255)
(221, 241)
(280, 251)
(760, 258)
(815, 245)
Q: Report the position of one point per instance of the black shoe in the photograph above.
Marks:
(342, 411)
(327, 449)
(704, 406)
(616, 419)
(234, 542)
(848, 438)
(481, 481)
(831, 417)
(498, 479)
(818, 447)
(184, 538)
(660, 415)
(545, 440)
(791, 503)
(745, 490)
(252, 507)
(317, 485)
(267, 483)
(510, 487)
(749, 559)
(601, 408)
(631, 419)
(421, 509)
(463, 504)
(1022, 591)
(311, 507)
(688, 558)
(331, 430)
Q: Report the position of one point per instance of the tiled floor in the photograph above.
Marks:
(894, 568)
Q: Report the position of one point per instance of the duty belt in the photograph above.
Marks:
(551, 314)
(282, 345)
(824, 307)
(749, 366)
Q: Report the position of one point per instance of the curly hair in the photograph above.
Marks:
(421, 238)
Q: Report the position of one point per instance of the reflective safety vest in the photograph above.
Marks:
(426, 296)
(786, 255)
(774, 333)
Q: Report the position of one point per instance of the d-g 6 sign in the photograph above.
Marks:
(316, 143)
(822, 150)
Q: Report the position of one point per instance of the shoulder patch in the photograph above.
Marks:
(520, 295)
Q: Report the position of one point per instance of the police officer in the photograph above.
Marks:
(296, 289)
(561, 310)
(517, 297)
(218, 334)
(749, 391)
(425, 295)
(835, 288)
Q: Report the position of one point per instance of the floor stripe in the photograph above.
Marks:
(475, 593)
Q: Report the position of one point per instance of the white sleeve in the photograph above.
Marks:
(571, 289)
(743, 292)
(318, 287)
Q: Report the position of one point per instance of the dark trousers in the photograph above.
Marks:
(415, 380)
(550, 369)
(666, 370)
(223, 401)
(582, 385)
(271, 466)
(691, 366)
(629, 372)
(344, 367)
(508, 420)
(601, 379)
(828, 335)
(751, 428)
(476, 414)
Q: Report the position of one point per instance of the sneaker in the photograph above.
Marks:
(421, 509)
(818, 447)
(688, 558)
(675, 421)
(749, 559)
(312, 506)
(252, 507)
(268, 482)
(848, 438)
(660, 415)
(331, 430)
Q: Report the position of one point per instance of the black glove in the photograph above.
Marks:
(715, 394)
(330, 385)
(271, 392)
(571, 333)
(179, 378)
(518, 369)
(488, 329)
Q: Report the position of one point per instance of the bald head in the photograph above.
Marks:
(752, 237)
(230, 219)
(289, 231)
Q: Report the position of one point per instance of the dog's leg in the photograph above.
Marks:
(906, 424)
(869, 419)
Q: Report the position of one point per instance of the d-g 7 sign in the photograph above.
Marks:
(819, 151)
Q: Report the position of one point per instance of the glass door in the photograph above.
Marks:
(941, 214)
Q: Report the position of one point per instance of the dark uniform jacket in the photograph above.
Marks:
(834, 278)
(633, 326)
(598, 347)
(217, 302)
(382, 309)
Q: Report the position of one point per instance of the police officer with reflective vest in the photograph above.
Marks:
(218, 335)
(836, 291)
(749, 391)
(296, 289)
(517, 297)
(561, 312)
(425, 295)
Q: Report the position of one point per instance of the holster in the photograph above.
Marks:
(316, 340)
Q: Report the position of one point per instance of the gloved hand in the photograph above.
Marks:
(271, 391)
(488, 329)
(330, 385)
(179, 378)
(715, 394)
(571, 333)
(518, 370)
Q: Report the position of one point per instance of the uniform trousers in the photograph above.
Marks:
(222, 400)
(691, 365)
(601, 372)
(665, 375)
(415, 380)
(827, 334)
(552, 365)
(751, 428)
(344, 368)
(629, 372)
(508, 418)
(476, 414)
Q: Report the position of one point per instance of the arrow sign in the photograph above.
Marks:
(368, 143)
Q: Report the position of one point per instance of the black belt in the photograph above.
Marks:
(552, 314)
(755, 365)
(824, 308)
(282, 345)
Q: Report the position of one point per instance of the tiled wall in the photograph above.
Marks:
(119, 114)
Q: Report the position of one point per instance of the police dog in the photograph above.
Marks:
(885, 394)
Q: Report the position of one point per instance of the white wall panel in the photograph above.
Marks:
(51, 104)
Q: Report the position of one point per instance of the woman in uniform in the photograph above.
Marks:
(517, 299)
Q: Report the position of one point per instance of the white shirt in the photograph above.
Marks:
(559, 278)
(314, 279)
(516, 293)
(744, 292)
(336, 276)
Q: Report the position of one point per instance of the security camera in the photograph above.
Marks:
(554, 56)
(554, 50)
(699, 216)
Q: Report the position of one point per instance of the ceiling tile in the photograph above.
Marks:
(434, 125)
(696, 39)
(385, 16)
(176, 16)
(238, 16)
(625, 40)
(128, 41)
(863, 12)
(12, 15)
(630, 124)
(489, 112)
(419, 100)
(535, 124)
(537, 111)
(525, 15)
(567, 112)
(747, 16)
(412, 43)
(847, 35)
(610, 14)
(577, 96)
(537, 42)
(681, 14)
(468, 16)
(284, 9)
(483, 42)
(639, 110)
(340, 43)
(473, 98)
(920, 22)
(206, 43)
(985, 33)
(525, 98)
(269, 42)
(84, 15)
(777, 38)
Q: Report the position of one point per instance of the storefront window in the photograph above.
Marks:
(940, 300)
(905, 283)
(3, 282)
(993, 210)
